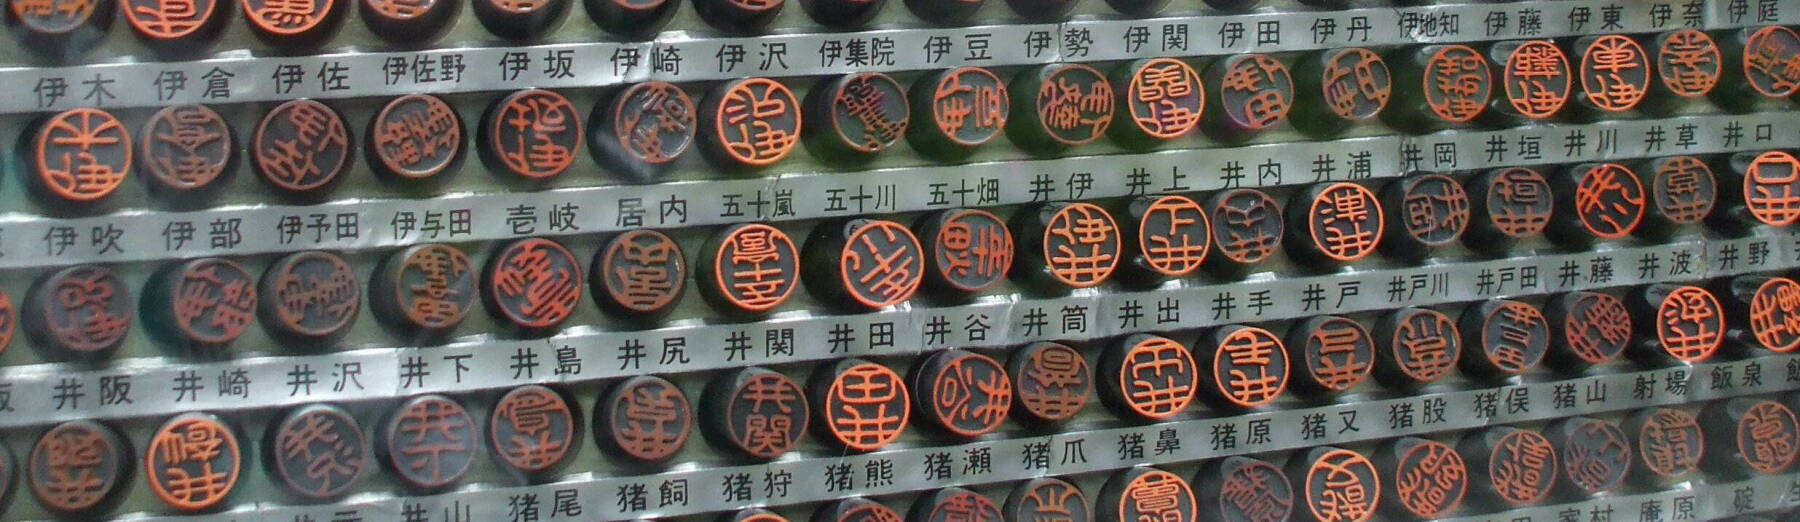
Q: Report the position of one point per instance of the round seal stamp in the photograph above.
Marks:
(9, 321)
(301, 146)
(1504, 338)
(310, 295)
(650, 124)
(861, 406)
(1243, 489)
(1688, 62)
(1607, 200)
(754, 515)
(1079, 244)
(59, 29)
(646, 418)
(750, 123)
(1690, 323)
(1615, 72)
(316, 452)
(753, 268)
(755, 411)
(1510, 204)
(966, 250)
(966, 107)
(857, 115)
(292, 24)
(192, 462)
(843, 14)
(533, 283)
(1337, 353)
(1164, 98)
(1255, 93)
(429, 442)
(1683, 189)
(1520, 464)
(855, 509)
(425, 288)
(415, 137)
(1249, 366)
(1772, 188)
(1423, 345)
(1428, 478)
(1595, 328)
(77, 467)
(1147, 377)
(1457, 83)
(1355, 83)
(520, 19)
(9, 467)
(83, 312)
(1596, 455)
(1775, 314)
(533, 430)
(631, 19)
(1669, 441)
(1247, 227)
(738, 16)
(1069, 105)
(1767, 55)
(205, 302)
(1340, 222)
(945, 12)
(1048, 499)
(533, 134)
(964, 393)
(1751, 437)
(1146, 494)
(640, 273)
(186, 149)
(1433, 212)
(1336, 484)
(871, 263)
(1536, 79)
(80, 155)
(1173, 237)
(954, 505)
(409, 20)
(1052, 382)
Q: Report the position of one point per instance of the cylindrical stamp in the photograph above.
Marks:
(749, 124)
(1147, 378)
(1051, 383)
(1596, 202)
(866, 263)
(1163, 97)
(1143, 493)
(294, 28)
(1596, 455)
(955, 111)
(9, 321)
(1669, 445)
(1426, 212)
(749, 269)
(79, 468)
(1438, 86)
(1615, 75)
(1339, 88)
(302, 148)
(416, 21)
(1508, 205)
(1755, 67)
(311, 298)
(1688, 65)
(1682, 190)
(1047, 498)
(1255, 94)
(643, 420)
(533, 431)
(186, 153)
(1043, 10)
(1593, 327)
(1059, 106)
(738, 16)
(855, 117)
(1335, 485)
(428, 443)
(1249, 367)
(1334, 354)
(631, 19)
(961, 393)
(1421, 345)
(1137, 8)
(752, 515)
(79, 313)
(1243, 489)
(952, 505)
(945, 12)
(1758, 189)
(424, 291)
(1771, 308)
(172, 462)
(1171, 240)
(202, 303)
(1747, 437)
(529, 136)
(9, 476)
(640, 131)
(855, 509)
(1689, 323)
(1512, 467)
(520, 19)
(1066, 245)
(78, 157)
(1247, 227)
(1503, 338)
(532, 285)
(415, 138)
(844, 14)
(966, 250)
(858, 405)
(1428, 479)
(316, 452)
(58, 31)
(1334, 224)
(640, 274)
(1535, 77)
(754, 412)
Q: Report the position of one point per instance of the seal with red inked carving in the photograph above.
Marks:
(429, 442)
(532, 134)
(1684, 189)
(83, 312)
(533, 430)
(1607, 201)
(1146, 494)
(1595, 327)
(860, 405)
(1147, 377)
(1775, 314)
(1511, 203)
(1520, 465)
(1537, 79)
(640, 273)
(1243, 489)
(1164, 97)
(310, 295)
(1615, 73)
(186, 148)
(1073, 106)
(967, 107)
(1457, 83)
(1688, 62)
(59, 27)
(1255, 92)
(1504, 337)
(426, 288)
(1429, 211)
(1772, 188)
(1173, 236)
(858, 115)
(752, 268)
(1249, 366)
(77, 467)
(755, 411)
(415, 137)
(645, 418)
(1690, 324)
(1247, 225)
(1080, 243)
(966, 250)
(964, 393)
(416, 20)
(1428, 479)
(650, 125)
(1337, 353)
(1340, 222)
(1051, 382)
(1669, 441)
(1047, 499)
(750, 123)
(9, 321)
(533, 283)
(954, 505)
(80, 155)
(1356, 84)
(855, 510)
(301, 146)
(1762, 434)
(1596, 455)
(741, 16)
(316, 451)
(283, 21)
(754, 515)
(206, 302)
(1423, 345)
(192, 462)
(874, 263)
(1336, 484)
(1769, 56)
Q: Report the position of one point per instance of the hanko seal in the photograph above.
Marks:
(756, 412)
(644, 418)
(1059, 106)
(1336, 223)
(1243, 489)
(427, 289)
(749, 123)
(643, 130)
(409, 21)
(59, 30)
(1442, 86)
(1335, 484)
(867, 263)
(633, 20)
(1689, 322)
(310, 296)
(520, 19)
(1050, 381)
(295, 25)
(1767, 61)
(855, 509)
(1683, 190)
(1669, 443)
(429, 442)
(954, 505)
(531, 135)
(1593, 327)
(79, 155)
(415, 137)
(750, 268)
(858, 405)
(1143, 493)
(186, 150)
(1596, 455)
(80, 312)
(1615, 72)
(1519, 465)
(1163, 97)
(963, 393)
(301, 147)
(842, 14)
(1771, 188)
(9, 321)
(1597, 201)
(1425, 478)
(966, 250)
(1424, 212)
(1249, 367)
(739, 16)
(1336, 354)
(1247, 229)
(640, 273)
(1509, 204)
(1172, 238)
(1536, 78)
(1338, 88)
(206, 302)
(956, 111)
(533, 284)
(78, 468)
(533, 431)
(1503, 338)
(1255, 94)
(1048, 499)
(193, 462)
(1419, 346)
(1688, 62)
(856, 116)
(1747, 436)
(1771, 306)
(1077, 244)
(316, 452)
(1148, 378)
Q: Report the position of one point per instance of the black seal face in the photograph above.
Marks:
(310, 295)
(1688, 61)
(1609, 200)
(1518, 202)
(1146, 494)
(1343, 222)
(1080, 244)
(1429, 479)
(1596, 326)
(881, 264)
(212, 300)
(1514, 336)
(1356, 84)
(1684, 189)
(764, 413)
(302, 146)
(1434, 209)
(641, 272)
(965, 393)
(1340, 485)
(186, 147)
(1250, 366)
(415, 136)
(1670, 442)
(1247, 225)
(1596, 454)
(969, 105)
(754, 268)
(1052, 381)
(1149, 377)
(76, 467)
(428, 287)
(1767, 437)
(954, 505)
(80, 155)
(430, 442)
(532, 134)
(1457, 83)
(1048, 499)
(533, 429)
(867, 111)
(1425, 344)
(1246, 490)
(1255, 91)
(1074, 104)
(317, 452)
(533, 283)
(1165, 98)
(645, 418)
(82, 311)
(968, 250)
(1339, 353)
(1522, 467)
(653, 122)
